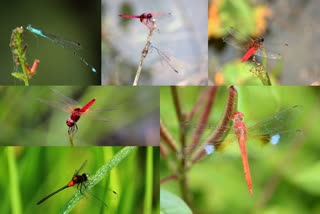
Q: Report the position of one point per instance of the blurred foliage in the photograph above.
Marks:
(244, 15)
(132, 114)
(33, 172)
(285, 177)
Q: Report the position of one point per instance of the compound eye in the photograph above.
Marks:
(70, 123)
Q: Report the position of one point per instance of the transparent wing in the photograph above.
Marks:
(159, 15)
(99, 113)
(65, 99)
(276, 123)
(262, 52)
(82, 166)
(61, 106)
(237, 40)
(168, 60)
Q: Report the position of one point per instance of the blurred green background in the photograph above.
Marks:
(33, 172)
(285, 177)
(132, 114)
(77, 21)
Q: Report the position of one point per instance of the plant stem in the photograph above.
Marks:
(148, 182)
(182, 121)
(15, 196)
(143, 56)
(70, 138)
(221, 131)
(168, 139)
(203, 120)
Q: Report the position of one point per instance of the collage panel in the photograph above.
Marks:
(245, 148)
(51, 43)
(71, 146)
(154, 42)
(79, 180)
(263, 42)
(79, 116)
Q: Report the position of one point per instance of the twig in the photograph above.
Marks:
(183, 182)
(143, 55)
(221, 131)
(70, 135)
(197, 105)
(168, 139)
(163, 151)
(176, 103)
(171, 177)
(203, 120)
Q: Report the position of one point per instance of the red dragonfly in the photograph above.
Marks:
(249, 45)
(74, 109)
(269, 131)
(148, 19)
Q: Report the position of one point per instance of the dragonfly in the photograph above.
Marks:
(272, 130)
(77, 179)
(67, 44)
(164, 57)
(75, 110)
(148, 19)
(249, 45)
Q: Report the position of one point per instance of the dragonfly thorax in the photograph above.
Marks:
(82, 178)
(148, 15)
(75, 116)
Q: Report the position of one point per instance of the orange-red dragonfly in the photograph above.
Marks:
(249, 45)
(74, 109)
(148, 19)
(269, 131)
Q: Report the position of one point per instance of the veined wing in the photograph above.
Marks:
(65, 99)
(58, 105)
(160, 15)
(82, 166)
(278, 122)
(262, 52)
(237, 40)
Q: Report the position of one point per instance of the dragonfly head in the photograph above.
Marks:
(149, 15)
(85, 176)
(260, 39)
(238, 116)
(70, 122)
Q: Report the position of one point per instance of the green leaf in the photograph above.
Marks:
(172, 204)
(18, 75)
